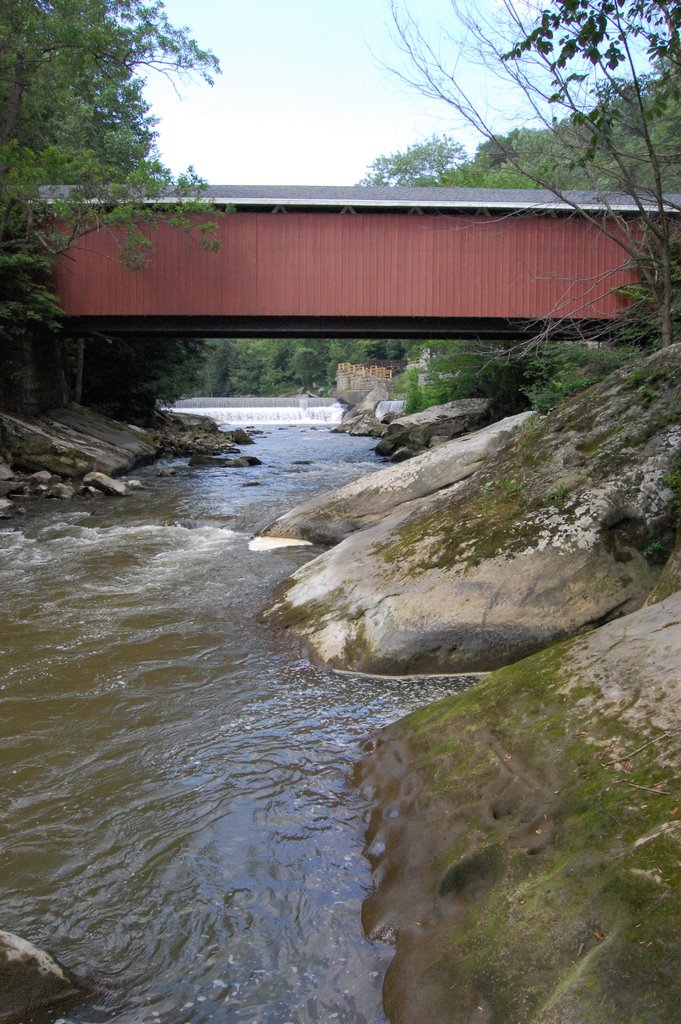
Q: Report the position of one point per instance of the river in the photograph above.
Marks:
(177, 815)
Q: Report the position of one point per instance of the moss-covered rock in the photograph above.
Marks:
(567, 526)
(526, 838)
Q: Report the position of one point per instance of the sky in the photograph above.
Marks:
(303, 98)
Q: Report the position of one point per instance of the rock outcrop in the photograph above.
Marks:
(525, 838)
(72, 442)
(331, 517)
(565, 528)
(183, 433)
(77, 451)
(361, 421)
(407, 435)
(30, 980)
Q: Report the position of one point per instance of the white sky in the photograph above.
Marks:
(302, 99)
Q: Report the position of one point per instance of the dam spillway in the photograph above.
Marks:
(247, 410)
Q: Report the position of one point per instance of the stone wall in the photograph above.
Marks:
(354, 381)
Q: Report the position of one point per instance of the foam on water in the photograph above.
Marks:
(271, 543)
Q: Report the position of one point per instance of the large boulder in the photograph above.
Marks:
(329, 518)
(106, 484)
(74, 441)
(360, 420)
(525, 838)
(31, 979)
(360, 423)
(566, 527)
(185, 420)
(433, 426)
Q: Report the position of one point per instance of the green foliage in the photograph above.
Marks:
(415, 398)
(459, 369)
(124, 379)
(673, 482)
(512, 381)
(524, 157)
(72, 113)
(77, 151)
(422, 163)
(561, 370)
(26, 299)
(265, 366)
(601, 33)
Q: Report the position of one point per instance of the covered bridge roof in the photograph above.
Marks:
(350, 198)
(430, 197)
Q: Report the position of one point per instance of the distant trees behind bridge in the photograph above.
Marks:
(256, 366)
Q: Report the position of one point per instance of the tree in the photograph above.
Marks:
(77, 142)
(269, 366)
(423, 163)
(125, 378)
(72, 110)
(603, 78)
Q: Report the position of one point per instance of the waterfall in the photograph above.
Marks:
(383, 408)
(247, 410)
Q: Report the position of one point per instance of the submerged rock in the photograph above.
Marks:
(565, 528)
(525, 838)
(31, 979)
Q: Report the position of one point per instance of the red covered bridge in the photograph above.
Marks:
(363, 262)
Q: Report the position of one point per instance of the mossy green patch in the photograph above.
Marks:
(559, 894)
(549, 464)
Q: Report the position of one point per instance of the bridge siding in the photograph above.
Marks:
(368, 264)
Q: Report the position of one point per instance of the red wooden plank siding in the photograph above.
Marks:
(368, 264)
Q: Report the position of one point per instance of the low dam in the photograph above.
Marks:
(248, 410)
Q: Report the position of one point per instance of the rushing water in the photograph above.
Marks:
(239, 412)
(177, 819)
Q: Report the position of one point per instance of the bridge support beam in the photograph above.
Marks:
(493, 329)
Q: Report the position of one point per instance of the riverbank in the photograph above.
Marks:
(74, 451)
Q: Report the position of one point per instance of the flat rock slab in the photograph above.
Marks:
(74, 441)
(333, 516)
